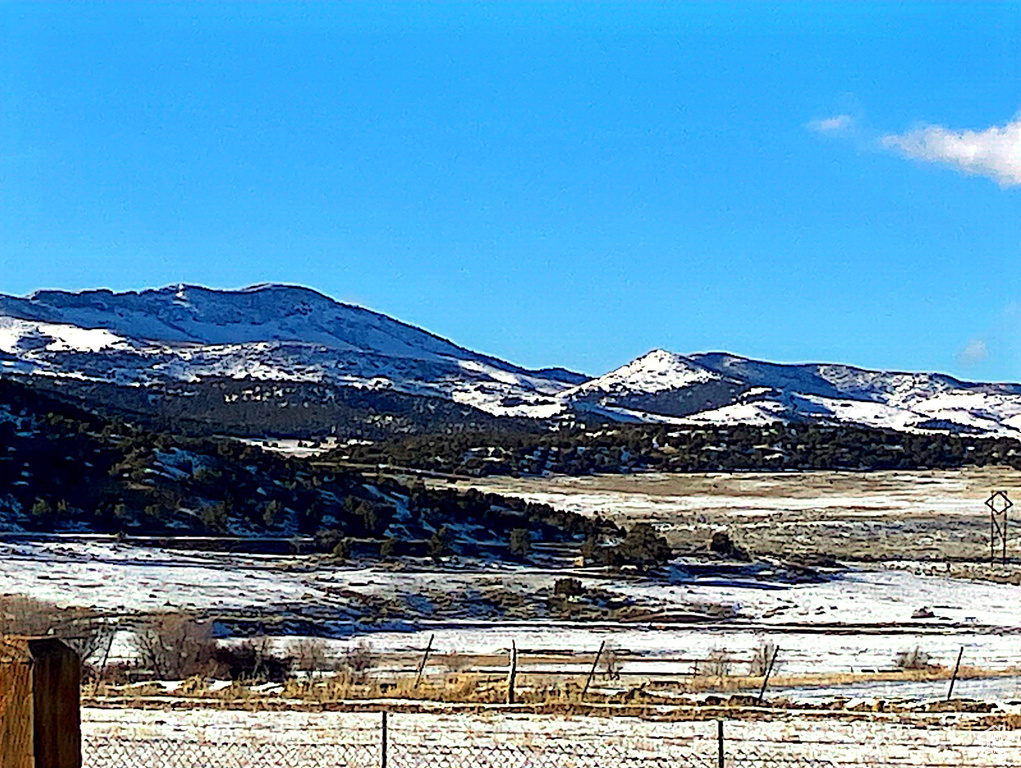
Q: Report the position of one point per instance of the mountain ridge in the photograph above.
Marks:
(168, 339)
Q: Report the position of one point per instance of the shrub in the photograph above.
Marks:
(342, 550)
(611, 662)
(762, 657)
(568, 587)
(310, 655)
(642, 547)
(717, 664)
(439, 543)
(251, 660)
(42, 512)
(913, 659)
(357, 661)
(176, 646)
(215, 517)
(82, 630)
(520, 542)
(722, 544)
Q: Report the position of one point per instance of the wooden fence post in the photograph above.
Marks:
(957, 668)
(424, 661)
(769, 671)
(513, 673)
(592, 672)
(40, 718)
(720, 755)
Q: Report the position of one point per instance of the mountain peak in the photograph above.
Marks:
(656, 371)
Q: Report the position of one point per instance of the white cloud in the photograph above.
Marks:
(994, 152)
(974, 352)
(834, 124)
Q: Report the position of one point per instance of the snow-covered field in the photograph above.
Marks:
(935, 514)
(850, 622)
(855, 622)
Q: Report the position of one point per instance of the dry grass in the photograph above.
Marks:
(346, 687)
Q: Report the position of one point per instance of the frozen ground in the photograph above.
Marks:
(987, 689)
(125, 579)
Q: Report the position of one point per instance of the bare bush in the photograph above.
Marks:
(252, 660)
(762, 658)
(913, 659)
(718, 663)
(176, 646)
(611, 662)
(357, 661)
(310, 655)
(84, 631)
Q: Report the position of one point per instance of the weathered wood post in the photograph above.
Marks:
(769, 671)
(592, 672)
(40, 720)
(512, 674)
(957, 668)
(424, 661)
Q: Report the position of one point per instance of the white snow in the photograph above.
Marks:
(17, 335)
(612, 742)
(268, 333)
(293, 334)
(857, 620)
(657, 371)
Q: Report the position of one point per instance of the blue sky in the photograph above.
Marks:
(556, 183)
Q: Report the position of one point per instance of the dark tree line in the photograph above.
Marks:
(632, 448)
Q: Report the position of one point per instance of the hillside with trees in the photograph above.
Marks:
(66, 469)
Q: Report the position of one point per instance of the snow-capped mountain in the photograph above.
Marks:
(722, 388)
(273, 347)
(267, 332)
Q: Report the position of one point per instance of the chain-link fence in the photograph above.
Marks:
(496, 739)
(386, 747)
(176, 753)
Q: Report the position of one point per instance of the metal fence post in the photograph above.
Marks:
(383, 742)
(719, 744)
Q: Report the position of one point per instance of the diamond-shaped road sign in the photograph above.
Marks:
(998, 503)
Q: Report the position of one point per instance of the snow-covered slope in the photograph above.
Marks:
(268, 332)
(723, 389)
(294, 335)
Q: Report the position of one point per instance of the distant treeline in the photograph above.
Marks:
(633, 448)
(243, 407)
